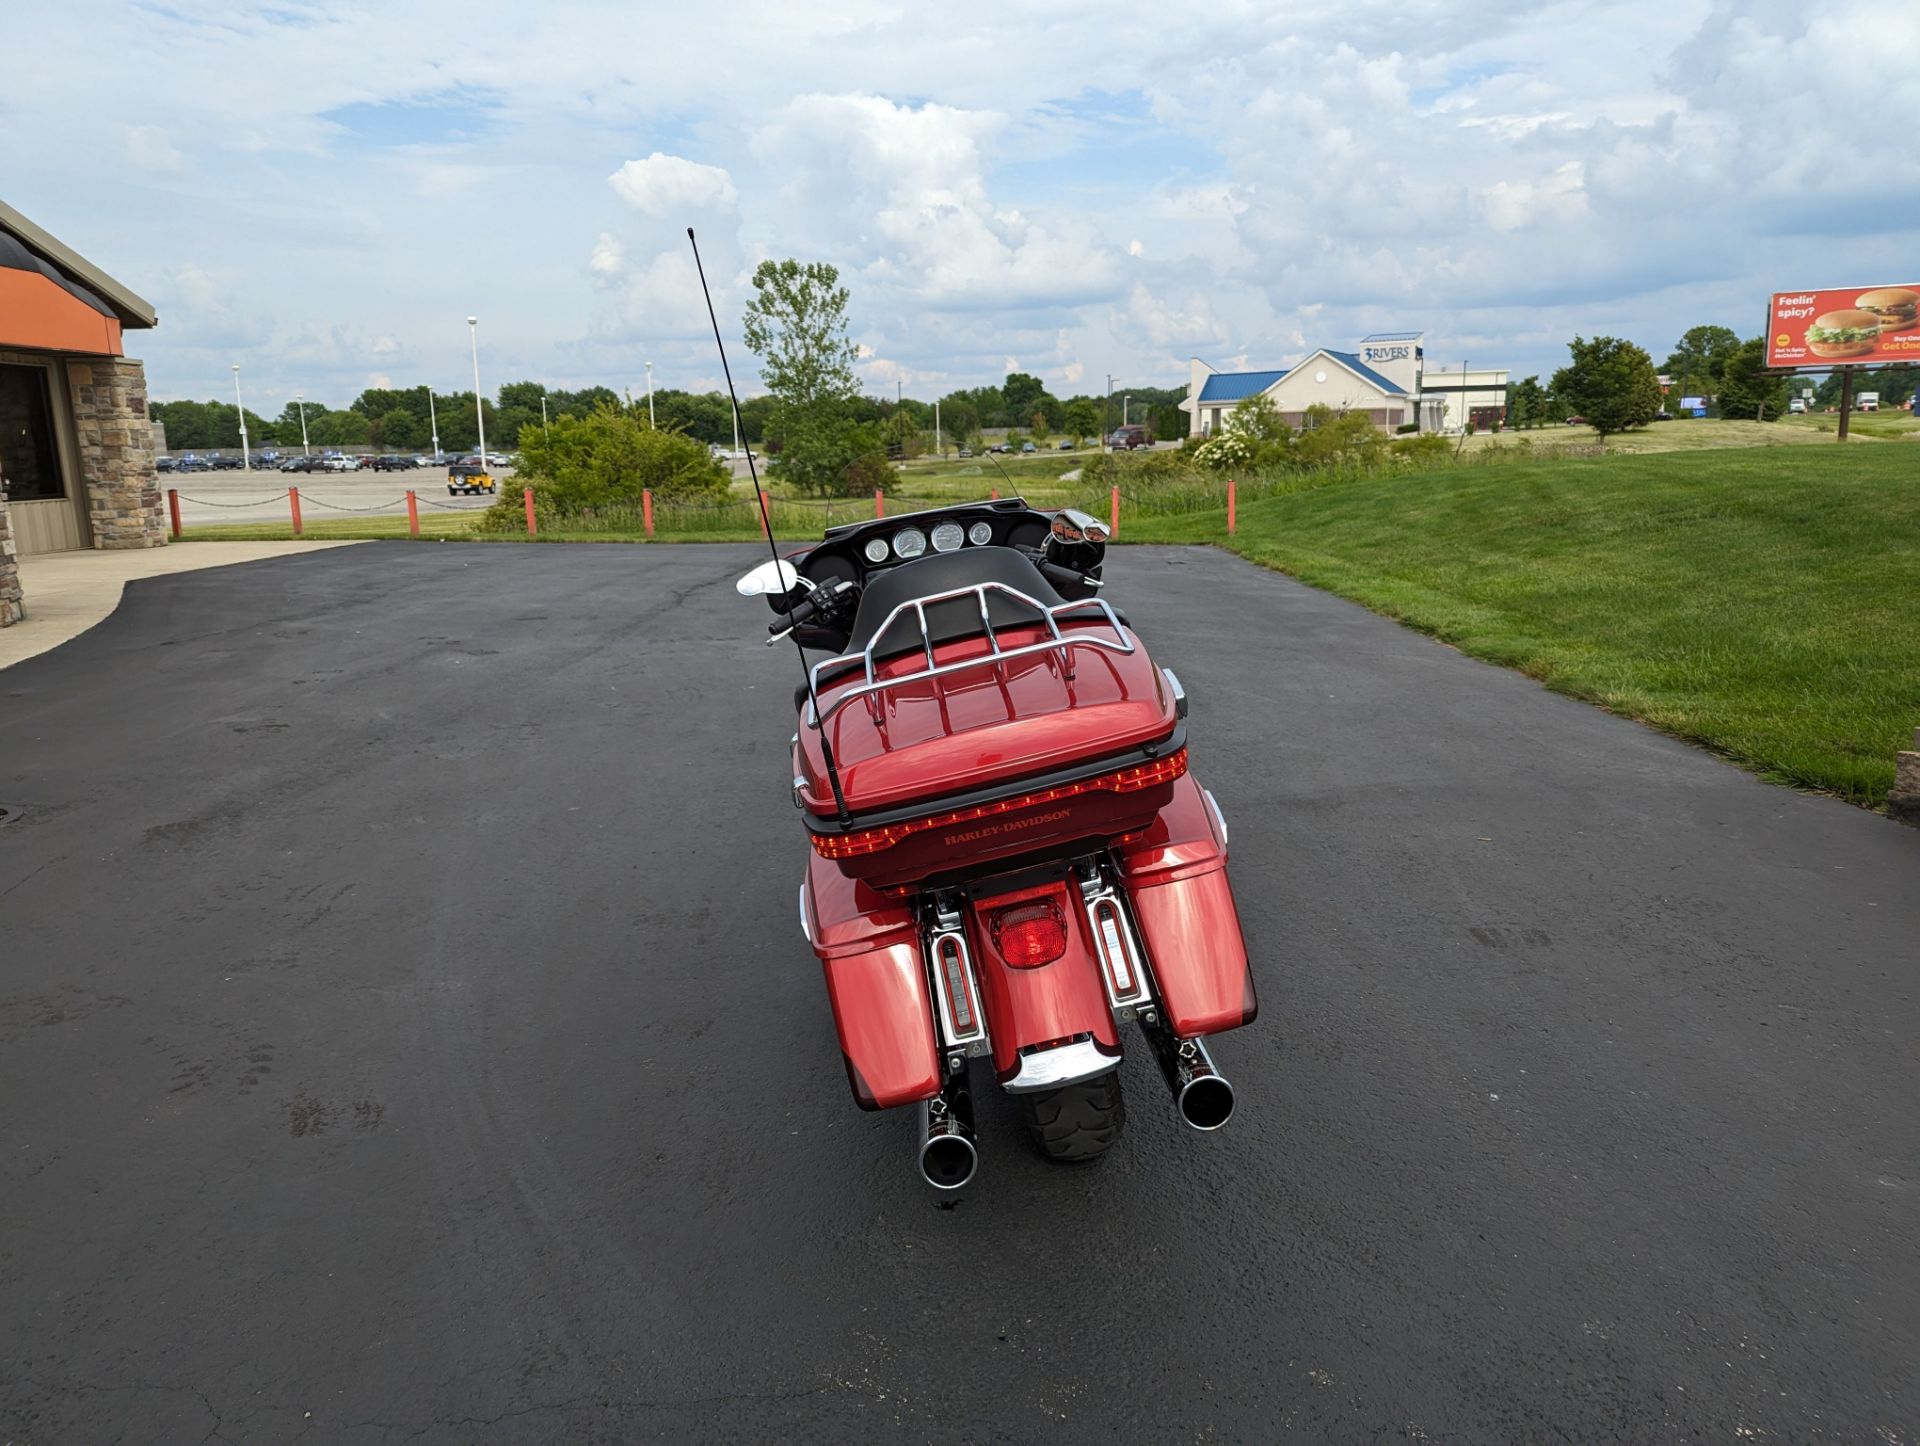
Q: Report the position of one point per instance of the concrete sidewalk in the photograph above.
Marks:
(68, 592)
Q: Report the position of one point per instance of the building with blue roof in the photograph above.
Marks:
(1386, 377)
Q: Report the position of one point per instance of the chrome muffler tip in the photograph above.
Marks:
(1201, 1093)
(1206, 1103)
(947, 1154)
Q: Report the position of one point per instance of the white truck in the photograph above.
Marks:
(1868, 401)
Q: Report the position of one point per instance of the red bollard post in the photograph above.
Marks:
(173, 506)
(526, 494)
(766, 514)
(413, 514)
(879, 503)
(1114, 529)
(993, 494)
(293, 500)
(1230, 517)
(646, 509)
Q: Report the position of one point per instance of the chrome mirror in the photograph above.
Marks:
(1072, 525)
(778, 578)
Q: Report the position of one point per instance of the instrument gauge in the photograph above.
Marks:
(876, 549)
(909, 542)
(949, 537)
(980, 534)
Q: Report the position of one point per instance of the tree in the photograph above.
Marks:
(1700, 357)
(401, 429)
(1258, 419)
(609, 457)
(1526, 403)
(796, 324)
(1746, 391)
(1082, 418)
(1610, 382)
(1023, 395)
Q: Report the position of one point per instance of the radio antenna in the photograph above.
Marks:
(766, 525)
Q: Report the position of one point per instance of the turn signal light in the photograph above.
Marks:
(1121, 780)
(1029, 935)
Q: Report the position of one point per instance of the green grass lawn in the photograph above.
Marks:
(1694, 434)
(1762, 602)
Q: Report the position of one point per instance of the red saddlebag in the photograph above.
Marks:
(869, 947)
(1175, 875)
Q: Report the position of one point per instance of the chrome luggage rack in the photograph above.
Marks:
(1056, 641)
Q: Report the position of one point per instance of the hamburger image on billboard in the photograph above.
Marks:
(1853, 325)
(1844, 334)
(1897, 308)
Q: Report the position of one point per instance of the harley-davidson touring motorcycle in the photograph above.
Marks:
(1009, 856)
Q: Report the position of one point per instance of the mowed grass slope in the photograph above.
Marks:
(1763, 603)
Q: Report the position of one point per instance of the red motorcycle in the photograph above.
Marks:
(1010, 857)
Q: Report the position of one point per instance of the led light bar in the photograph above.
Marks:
(1121, 780)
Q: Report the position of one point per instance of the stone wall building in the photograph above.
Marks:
(76, 448)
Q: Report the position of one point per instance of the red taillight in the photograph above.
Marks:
(1121, 780)
(1029, 935)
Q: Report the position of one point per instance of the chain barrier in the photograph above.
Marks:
(307, 498)
(203, 502)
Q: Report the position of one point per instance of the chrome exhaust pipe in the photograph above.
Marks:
(1201, 1093)
(947, 1154)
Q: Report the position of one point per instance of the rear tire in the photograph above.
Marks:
(1077, 1122)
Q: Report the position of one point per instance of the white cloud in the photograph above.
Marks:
(150, 150)
(1559, 196)
(608, 258)
(664, 185)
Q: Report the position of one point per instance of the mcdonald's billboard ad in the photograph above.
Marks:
(1855, 326)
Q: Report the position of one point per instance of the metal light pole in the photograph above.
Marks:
(300, 400)
(246, 458)
(543, 414)
(1125, 402)
(433, 422)
(479, 412)
(939, 450)
(1106, 415)
(650, 394)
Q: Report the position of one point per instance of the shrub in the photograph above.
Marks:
(606, 459)
(1405, 427)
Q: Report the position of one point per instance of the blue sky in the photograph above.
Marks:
(324, 192)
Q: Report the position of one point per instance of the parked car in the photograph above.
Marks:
(468, 476)
(342, 464)
(390, 462)
(163, 464)
(1128, 438)
(1028, 447)
(966, 451)
(1066, 446)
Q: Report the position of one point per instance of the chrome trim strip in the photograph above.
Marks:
(806, 925)
(1056, 642)
(1064, 1064)
(1179, 693)
(1218, 817)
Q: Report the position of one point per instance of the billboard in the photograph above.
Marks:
(1849, 326)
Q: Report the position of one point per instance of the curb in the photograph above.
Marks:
(1903, 803)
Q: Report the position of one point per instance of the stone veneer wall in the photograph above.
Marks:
(10, 609)
(1904, 802)
(116, 452)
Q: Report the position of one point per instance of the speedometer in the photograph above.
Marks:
(876, 549)
(949, 537)
(909, 542)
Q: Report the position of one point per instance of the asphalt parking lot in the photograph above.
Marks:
(405, 1033)
(261, 495)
